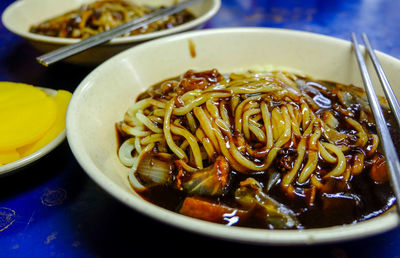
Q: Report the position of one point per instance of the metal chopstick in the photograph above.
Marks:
(70, 50)
(388, 147)
(393, 103)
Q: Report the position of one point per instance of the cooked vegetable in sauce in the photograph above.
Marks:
(103, 15)
(30, 119)
(268, 150)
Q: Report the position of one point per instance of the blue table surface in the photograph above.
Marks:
(52, 208)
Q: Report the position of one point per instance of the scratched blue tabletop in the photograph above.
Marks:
(52, 208)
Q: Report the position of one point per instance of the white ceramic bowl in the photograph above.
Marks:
(25, 161)
(104, 96)
(19, 16)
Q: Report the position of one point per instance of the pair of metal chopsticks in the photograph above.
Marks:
(70, 50)
(389, 149)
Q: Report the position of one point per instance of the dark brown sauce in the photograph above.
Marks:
(192, 48)
(340, 203)
(329, 210)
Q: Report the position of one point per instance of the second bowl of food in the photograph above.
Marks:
(246, 134)
(50, 24)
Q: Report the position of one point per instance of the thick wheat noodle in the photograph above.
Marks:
(267, 124)
(362, 135)
(197, 102)
(167, 131)
(224, 112)
(216, 131)
(209, 148)
(295, 124)
(190, 95)
(277, 123)
(255, 120)
(239, 111)
(235, 153)
(205, 123)
(155, 119)
(227, 118)
(305, 111)
(212, 109)
(192, 141)
(130, 115)
(312, 159)
(341, 160)
(148, 123)
(152, 138)
(325, 154)
(234, 103)
(258, 133)
(245, 121)
(184, 144)
(301, 151)
(228, 154)
(284, 137)
(135, 131)
(191, 122)
(310, 128)
(246, 90)
(145, 103)
(159, 112)
(138, 146)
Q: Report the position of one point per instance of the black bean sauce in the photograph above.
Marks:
(337, 203)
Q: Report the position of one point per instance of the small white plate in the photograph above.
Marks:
(19, 164)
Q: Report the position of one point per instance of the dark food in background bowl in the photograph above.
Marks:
(267, 150)
(100, 16)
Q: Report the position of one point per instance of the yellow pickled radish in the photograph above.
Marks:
(30, 119)
(9, 156)
(16, 94)
(26, 122)
(61, 99)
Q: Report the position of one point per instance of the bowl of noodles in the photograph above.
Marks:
(243, 134)
(50, 24)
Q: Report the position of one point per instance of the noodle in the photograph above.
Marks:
(104, 15)
(264, 125)
(167, 132)
(201, 111)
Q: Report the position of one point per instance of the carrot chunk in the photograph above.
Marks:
(211, 211)
(379, 171)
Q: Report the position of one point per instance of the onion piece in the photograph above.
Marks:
(210, 181)
(125, 152)
(251, 196)
(273, 178)
(135, 182)
(153, 171)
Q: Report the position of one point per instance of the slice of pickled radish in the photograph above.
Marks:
(61, 99)
(25, 123)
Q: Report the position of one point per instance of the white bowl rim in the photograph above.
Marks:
(25, 161)
(216, 4)
(371, 227)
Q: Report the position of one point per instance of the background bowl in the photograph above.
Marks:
(103, 97)
(19, 16)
